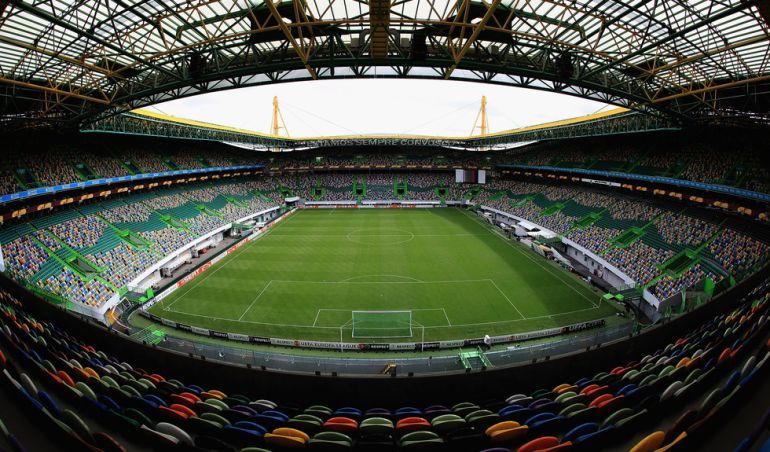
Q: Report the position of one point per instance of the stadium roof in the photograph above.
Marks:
(150, 123)
(77, 61)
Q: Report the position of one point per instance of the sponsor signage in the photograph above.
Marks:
(399, 346)
(194, 274)
(600, 182)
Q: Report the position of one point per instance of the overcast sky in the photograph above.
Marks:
(357, 107)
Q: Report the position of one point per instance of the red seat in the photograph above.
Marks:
(172, 415)
(183, 409)
(341, 424)
(600, 399)
(66, 378)
(411, 424)
(542, 443)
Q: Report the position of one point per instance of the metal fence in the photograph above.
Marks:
(373, 363)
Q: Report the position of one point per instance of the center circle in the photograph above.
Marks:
(376, 236)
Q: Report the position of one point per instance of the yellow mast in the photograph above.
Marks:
(482, 118)
(278, 123)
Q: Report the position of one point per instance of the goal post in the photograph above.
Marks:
(381, 324)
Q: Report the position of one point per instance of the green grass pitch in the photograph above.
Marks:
(459, 279)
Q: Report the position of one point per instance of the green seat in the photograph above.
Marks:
(139, 417)
(693, 376)
(203, 426)
(482, 418)
(330, 440)
(203, 407)
(86, 390)
(630, 374)
(217, 403)
(630, 419)
(464, 408)
(579, 398)
(320, 411)
(648, 380)
(572, 408)
(581, 413)
(306, 422)
(448, 422)
(564, 395)
(542, 393)
(665, 371)
(617, 416)
(709, 402)
(420, 439)
(377, 426)
(215, 418)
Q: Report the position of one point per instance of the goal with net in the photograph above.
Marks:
(381, 324)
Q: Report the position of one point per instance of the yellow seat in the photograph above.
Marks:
(650, 443)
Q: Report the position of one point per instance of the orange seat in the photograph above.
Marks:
(650, 443)
(284, 442)
(504, 425)
(674, 444)
(218, 393)
(288, 431)
(286, 437)
(508, 435)
(210, 395)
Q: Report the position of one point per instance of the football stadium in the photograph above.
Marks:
(591, 274)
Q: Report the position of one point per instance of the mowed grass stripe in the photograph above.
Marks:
(452, 270)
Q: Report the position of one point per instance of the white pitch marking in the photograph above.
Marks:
(506, 297)
(255, 300)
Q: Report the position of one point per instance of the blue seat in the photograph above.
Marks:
(581, 430)
(49, 403)
(595, 439)
(519, 415)
(508, 408)
(538, 417)
(250, 426)
(625, 389)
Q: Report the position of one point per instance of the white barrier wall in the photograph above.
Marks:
(384, 202)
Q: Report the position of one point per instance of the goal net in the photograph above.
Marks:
(382, 324)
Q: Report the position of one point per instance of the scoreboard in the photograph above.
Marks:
(470, 176)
